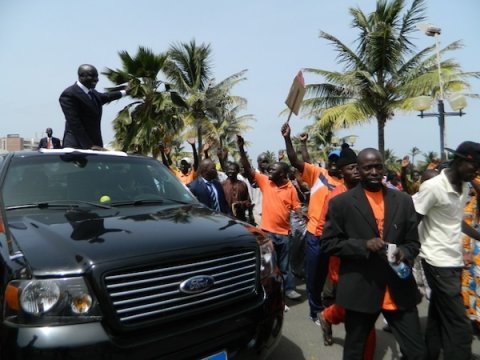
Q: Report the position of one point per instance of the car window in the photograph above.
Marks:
(92, 178)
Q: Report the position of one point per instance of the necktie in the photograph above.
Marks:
(92, 97)
(213, 197)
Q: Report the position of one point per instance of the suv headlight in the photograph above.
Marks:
(268, 259)
(50, 302)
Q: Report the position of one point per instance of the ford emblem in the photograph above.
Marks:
(197, 284)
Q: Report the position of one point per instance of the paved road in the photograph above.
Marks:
(302, 339)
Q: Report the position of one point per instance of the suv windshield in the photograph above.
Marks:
(92, 178)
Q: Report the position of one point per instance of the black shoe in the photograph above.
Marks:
(326, 330)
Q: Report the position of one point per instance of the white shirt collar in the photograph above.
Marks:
(83, 87)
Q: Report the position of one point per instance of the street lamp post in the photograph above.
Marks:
(423, 103)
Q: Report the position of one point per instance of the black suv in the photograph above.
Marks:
(108, 256)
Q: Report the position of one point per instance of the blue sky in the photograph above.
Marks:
(43, 42)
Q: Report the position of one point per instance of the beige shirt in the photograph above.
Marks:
(440, 231)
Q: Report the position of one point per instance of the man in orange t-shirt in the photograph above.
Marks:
(188, 170)
(320, 181)
(359, 224)
(279, 199)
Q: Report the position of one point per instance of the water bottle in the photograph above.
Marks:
(401, 269)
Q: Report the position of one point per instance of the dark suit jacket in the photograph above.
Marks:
(364, 275)
(199, 189)
(55, 143)
(83, 116)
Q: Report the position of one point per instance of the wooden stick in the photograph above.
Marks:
(289, 116)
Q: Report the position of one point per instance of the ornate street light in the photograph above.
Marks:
(422, 103)
(335, 141)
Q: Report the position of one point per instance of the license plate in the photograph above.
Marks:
(218, 356)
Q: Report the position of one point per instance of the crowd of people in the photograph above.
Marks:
(375, 241)
(356, 209)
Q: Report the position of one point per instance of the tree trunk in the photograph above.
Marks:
(381, 135)
(200, 141)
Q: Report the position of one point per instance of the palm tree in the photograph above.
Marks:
(189, 70)
(270, 155)
(378, 76)
(430, 157)
(153, 115)
(211, 109)
(414, 152)
(227, 121)
(391, 161)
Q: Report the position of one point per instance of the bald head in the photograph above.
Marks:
(263, 163)
(88, 76)
(370, 168)
(368, 152)
(85, 68)
(207, 169)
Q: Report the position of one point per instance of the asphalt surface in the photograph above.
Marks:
(302, 339)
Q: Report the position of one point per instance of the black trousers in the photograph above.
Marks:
(448, 326)
(405, 327)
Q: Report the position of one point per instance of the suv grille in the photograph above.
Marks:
(153, 293)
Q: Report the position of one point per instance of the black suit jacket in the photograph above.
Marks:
(83, 116)
(364, 275)
(199, 189)
(55, 143)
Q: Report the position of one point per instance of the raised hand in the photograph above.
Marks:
(240, 141)
(285, 130)
(191, 140)
(303, 137)
(405, 161)
(161, 146)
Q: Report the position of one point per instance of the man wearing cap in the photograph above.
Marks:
(321, 181)
(187, 171)
(440, 206)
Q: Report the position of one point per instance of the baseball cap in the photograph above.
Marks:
(334, 153)
(187, 160)
(468, 150)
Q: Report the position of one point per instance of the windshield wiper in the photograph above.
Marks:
(58, 204)
(138, 202)
(149, 202)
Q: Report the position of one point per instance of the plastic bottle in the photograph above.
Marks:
(401, 269)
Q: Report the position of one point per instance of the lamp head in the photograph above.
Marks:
(429, 29)
(422, 103)
(457, 102)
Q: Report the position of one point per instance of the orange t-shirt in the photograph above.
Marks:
(185, 179)
(277, 203)
(323, 215)
(320, 184)
(375, 199)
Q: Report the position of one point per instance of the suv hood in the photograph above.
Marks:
(70, 242)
